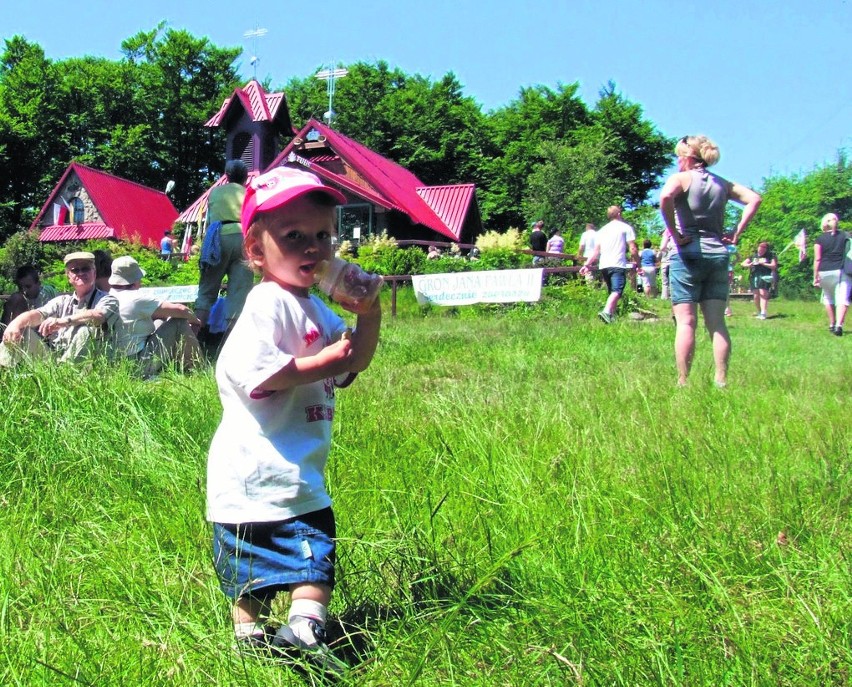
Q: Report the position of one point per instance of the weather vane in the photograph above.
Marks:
(254, 33)
(330, 75)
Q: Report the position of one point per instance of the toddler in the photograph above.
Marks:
(273, 526)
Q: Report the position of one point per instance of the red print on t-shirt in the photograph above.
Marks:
(311, 336)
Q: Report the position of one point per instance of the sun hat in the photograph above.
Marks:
(79, 255)
(279, 187)
(125, 271)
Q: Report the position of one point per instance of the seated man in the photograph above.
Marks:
(71, 327)
(31, 293)
(152, 331)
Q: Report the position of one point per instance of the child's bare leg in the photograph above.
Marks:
(249, 614)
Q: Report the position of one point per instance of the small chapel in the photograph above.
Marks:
(382, 195)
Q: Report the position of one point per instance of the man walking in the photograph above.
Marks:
(538, 241)
(587, 247)
(611, 243)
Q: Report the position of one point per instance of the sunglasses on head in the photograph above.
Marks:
(81, 270)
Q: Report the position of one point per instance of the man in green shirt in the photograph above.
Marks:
(223, 209)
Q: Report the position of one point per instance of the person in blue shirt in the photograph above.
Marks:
(648, 265)
(167, 245)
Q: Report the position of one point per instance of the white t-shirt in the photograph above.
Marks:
(135, 308)
(267, 458)
(613, 238)
(587, 243)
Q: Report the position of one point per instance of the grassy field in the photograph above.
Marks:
(523, 497)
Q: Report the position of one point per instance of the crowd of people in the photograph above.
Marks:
(113, 318)
(697, 257)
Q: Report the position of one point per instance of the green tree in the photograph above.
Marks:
(635, 142)
(431, 129)
(181, 81)
(100, 129)
(29, 116)
(537, 116)
(798, 202)
(575, 184)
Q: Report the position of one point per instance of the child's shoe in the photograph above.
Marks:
(317, 652)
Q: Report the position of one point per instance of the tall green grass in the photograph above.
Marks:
(523, 498)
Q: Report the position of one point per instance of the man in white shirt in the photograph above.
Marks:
(611, 243)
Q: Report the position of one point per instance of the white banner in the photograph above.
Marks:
(173, 294)
(464, 288)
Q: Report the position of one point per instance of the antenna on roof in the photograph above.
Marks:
(170, 186)
(255, 33)
(330, 75)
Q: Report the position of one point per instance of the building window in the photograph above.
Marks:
(79, 211)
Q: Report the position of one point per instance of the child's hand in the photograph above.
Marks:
(336, 356)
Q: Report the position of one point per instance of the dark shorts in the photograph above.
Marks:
(615, 279)
(261, 558)
(763, 281)
(699, 278)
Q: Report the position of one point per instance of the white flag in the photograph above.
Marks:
(801, 242)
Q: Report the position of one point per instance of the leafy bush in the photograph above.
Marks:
(382, 255)
(447, 263)
(22, 248)
(158, 272)
(501, 259)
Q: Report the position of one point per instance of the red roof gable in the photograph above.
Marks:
(260, 105)
(393, 184)
(128, 211)
(450, 203)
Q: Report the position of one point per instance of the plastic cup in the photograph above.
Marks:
(346, 283)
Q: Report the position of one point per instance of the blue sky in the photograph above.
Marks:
(768, 81)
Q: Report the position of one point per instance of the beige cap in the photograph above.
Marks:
(79, 255)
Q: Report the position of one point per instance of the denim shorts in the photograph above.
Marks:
(695, 279)
(614, 278)
(261, 558)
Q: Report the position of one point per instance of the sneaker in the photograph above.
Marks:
(729, 312)
(831, 328)
(761, 316)
(316, 653)
(838, 331)
(605, 317)
(260, 643)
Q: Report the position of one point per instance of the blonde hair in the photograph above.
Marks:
(825, 218)
(699, 148)
(613, 212)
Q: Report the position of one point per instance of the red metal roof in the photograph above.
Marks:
(261, 106)
(77, 232)
(450, 203)
(398, 187)
(129, 210)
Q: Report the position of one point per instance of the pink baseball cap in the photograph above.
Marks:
(278, 187)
